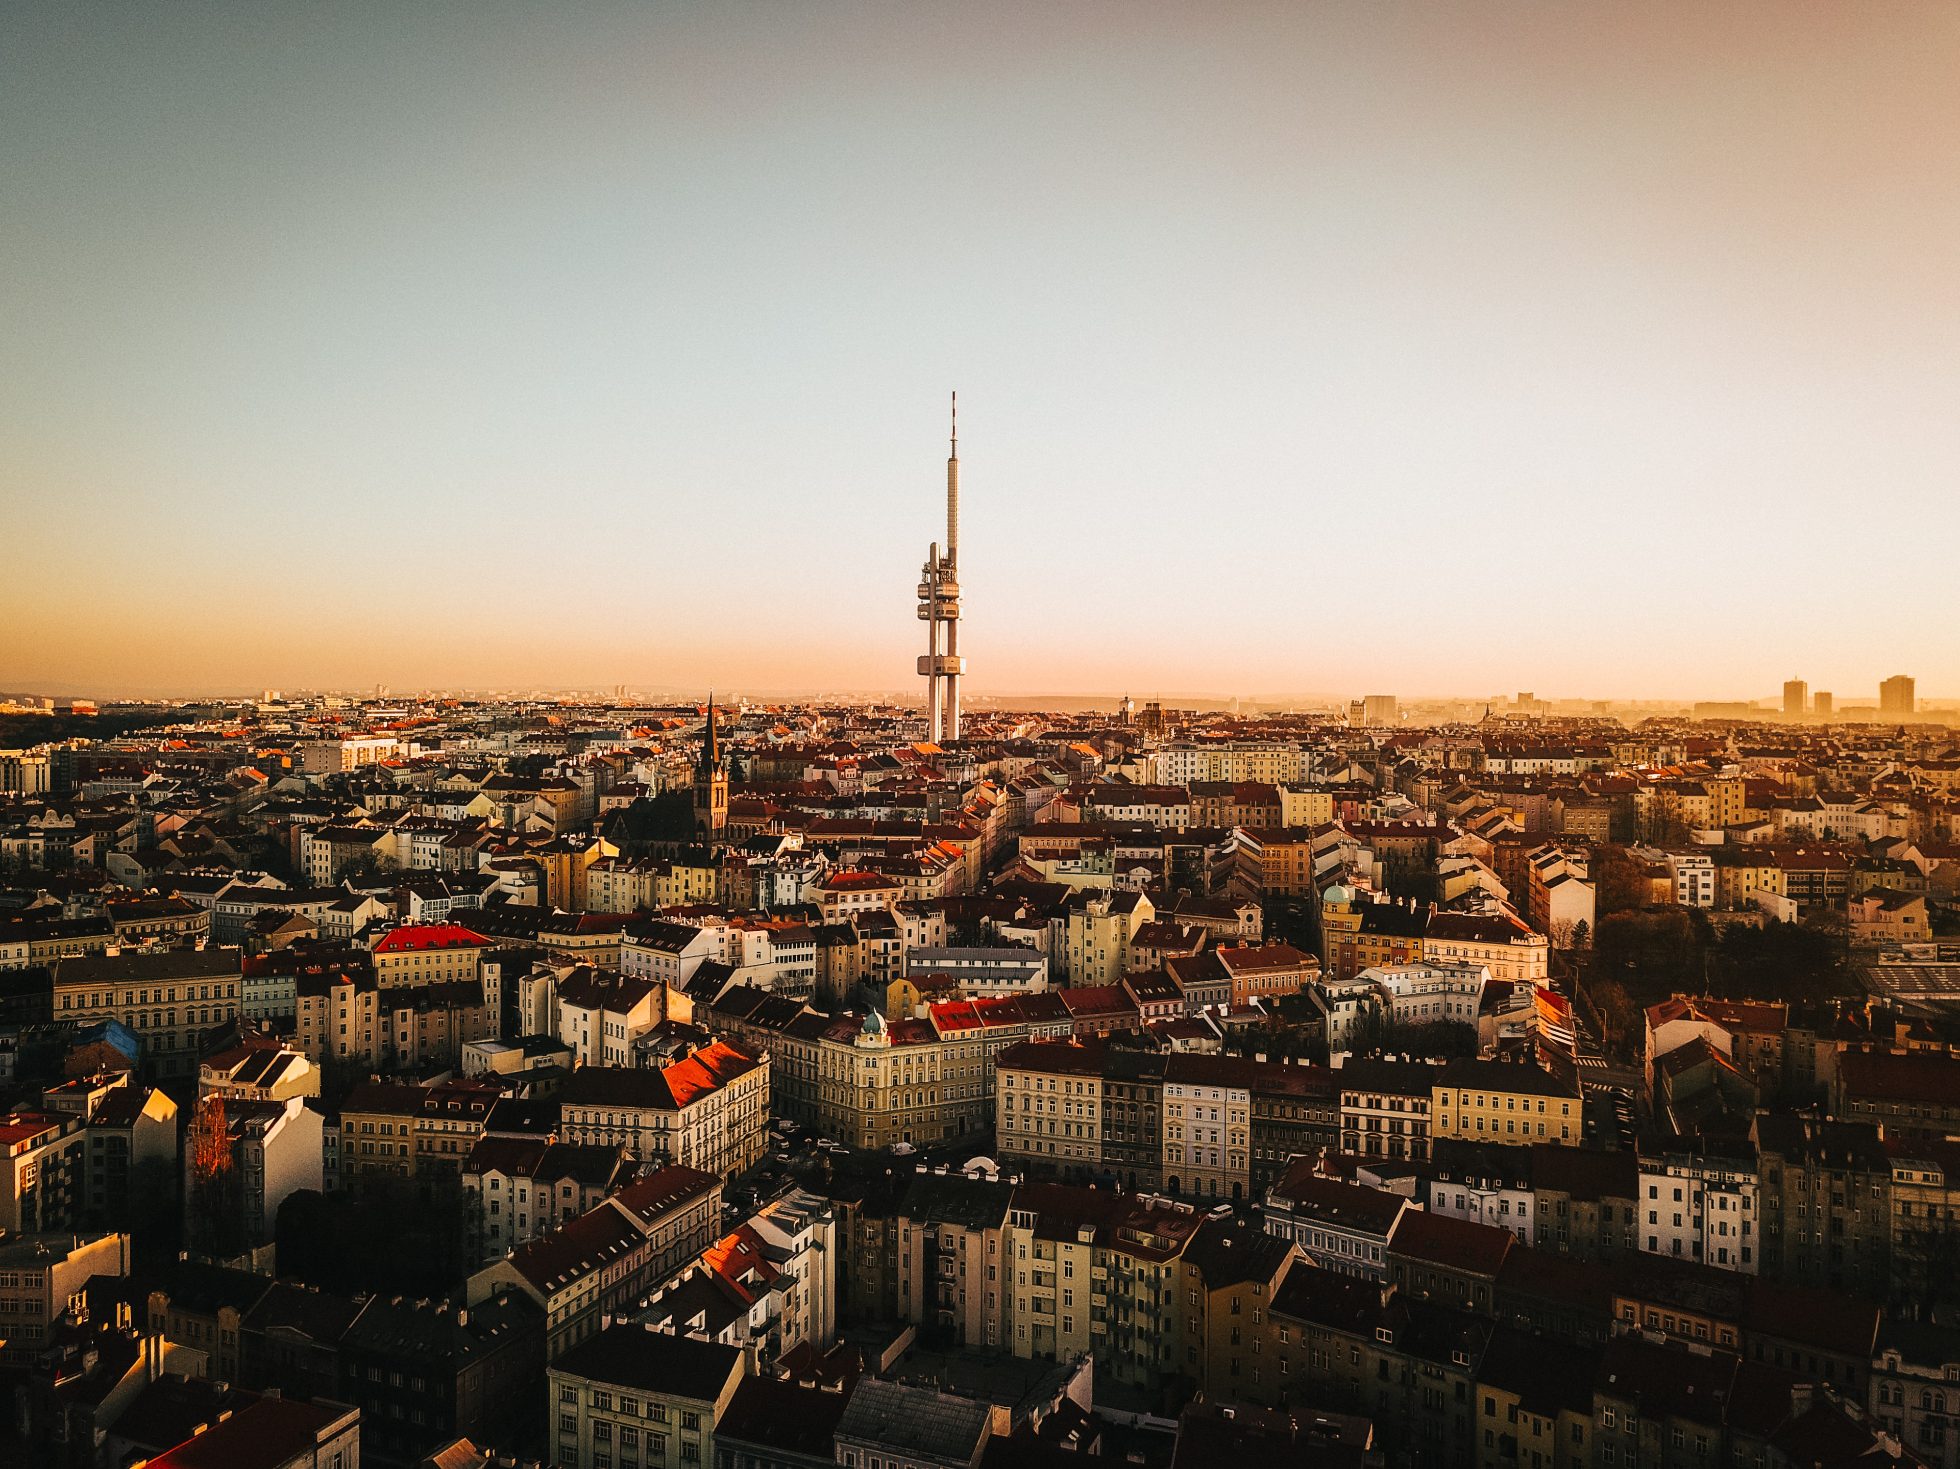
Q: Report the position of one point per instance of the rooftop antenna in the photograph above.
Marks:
(953, 489)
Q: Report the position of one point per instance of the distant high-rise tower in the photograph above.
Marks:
(710, 782)
(1796, 696)
(939, 609)
(1897, 695)
(1822, 705)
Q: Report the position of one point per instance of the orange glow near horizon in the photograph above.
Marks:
(1302, 351)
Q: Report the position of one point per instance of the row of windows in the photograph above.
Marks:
(157, 995)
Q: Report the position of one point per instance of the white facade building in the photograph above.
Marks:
(1694, 878)
(666, 952)
(1421, 994)
(1483, 1185)
(1347, 1004)
(1702, 1206)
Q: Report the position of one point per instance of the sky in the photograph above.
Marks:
(1603, 350)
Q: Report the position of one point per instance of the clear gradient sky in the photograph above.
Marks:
(1595, 349)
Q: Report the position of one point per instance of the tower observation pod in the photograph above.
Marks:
(939, 609)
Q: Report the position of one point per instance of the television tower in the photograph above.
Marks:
(939, 609)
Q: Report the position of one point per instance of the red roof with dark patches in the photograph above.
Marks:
(416, 937)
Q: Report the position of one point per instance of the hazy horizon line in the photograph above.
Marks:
(973, 698)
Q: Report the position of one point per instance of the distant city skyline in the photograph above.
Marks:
(1607, 351)
(911, 693)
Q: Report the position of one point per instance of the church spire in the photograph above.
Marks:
(711, 780)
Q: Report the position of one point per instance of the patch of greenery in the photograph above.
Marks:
(23, 731)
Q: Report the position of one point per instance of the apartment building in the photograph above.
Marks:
(1915, 1388)
(413, 1131)
(635, 1395)
(1095, 1270)
(270, 1433)
(1751, 1033)
(1700, 1200)
(709, 1111)
(419, 954)
(1455, 1261)
(1505, 1102)
(952, 1264)
(1342, 1227)
(130, 1134)
(602, 1012)
(848, 891)
(525, 1187)
(1132, 1145)
(344, 1015)
(166, 997)
(43, 1171)
(1694, 878)
(903, 1425)
(1284, 855)
(1912, 1095)
(870, 1082)
(1925, 1196)
(1262, 973)
(1208, 1126)
(42, 1275)
(1585, 1201)
(1826, 1203)
(1296, 1113)
(1097, 933)
(609, 1257)
(261, 1070)
(31, 940)
(1049, 1110)
(1359, 935)
(1195, 1124)
(1408, 1363)
(277, 1149)
(1501, 942)
(424, 1373)
(1230, 1272)
(665, 951)
(1429, 994)
(767, 1287)
(1385, 1107)
(1483, 1183)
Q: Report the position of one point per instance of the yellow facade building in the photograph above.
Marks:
(1504, 1102)
(428, 953)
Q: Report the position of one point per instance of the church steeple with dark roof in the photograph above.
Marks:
(710, 781)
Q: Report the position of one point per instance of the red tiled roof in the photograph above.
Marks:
(25, 1126)
(270, 1432)
(415, 937)
(1457, 1244)
(1922, 1076)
